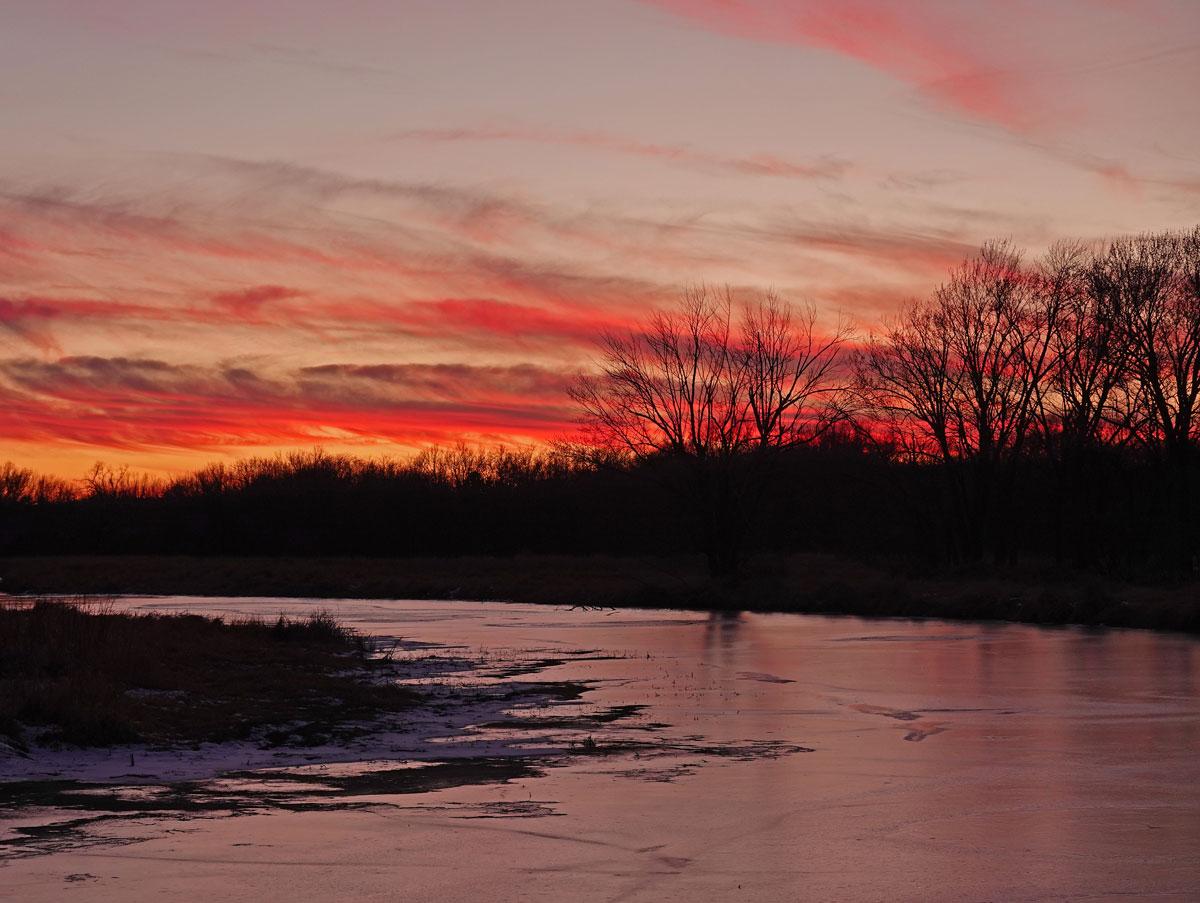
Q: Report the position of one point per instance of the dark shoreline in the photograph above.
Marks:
(812, 584)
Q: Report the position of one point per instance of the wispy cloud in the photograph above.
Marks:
(760, 164)
(1116, 173)
(342, 258)
(939, 49)
(29, 319)
(119, 402)
(248, 303)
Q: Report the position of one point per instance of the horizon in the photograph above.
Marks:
(228, 233)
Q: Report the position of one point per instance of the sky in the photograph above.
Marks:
(233, 228)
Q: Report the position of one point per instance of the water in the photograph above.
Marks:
(948, 762)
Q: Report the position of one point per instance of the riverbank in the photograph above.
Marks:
(116, 716)
(80, 673)
(96, 694)
(814, 584)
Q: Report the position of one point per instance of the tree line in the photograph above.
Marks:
(1076, 372)
(1040, 407)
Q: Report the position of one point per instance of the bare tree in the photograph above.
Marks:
(906, 375)
(104, 482)
(1081, 403)
(789, 366)
(959, 376)
(706, 393)
(1153, 282)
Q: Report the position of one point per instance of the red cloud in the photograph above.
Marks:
(247, 302)
(435, 254)
(29, 318)
(143, 403)
(510, 320)
(935, 48)
(466, 321)
(15, 246)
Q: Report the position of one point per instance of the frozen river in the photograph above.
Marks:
(752, 757)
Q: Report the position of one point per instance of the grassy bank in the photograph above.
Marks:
(802, 583)
(81, 673)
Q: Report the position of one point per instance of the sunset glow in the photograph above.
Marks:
(232, 228)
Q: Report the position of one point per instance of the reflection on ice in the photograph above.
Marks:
(671, 755)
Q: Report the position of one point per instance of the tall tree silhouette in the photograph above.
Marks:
(959, 376)
(1153, 281)
(706, 393)
(1084, 404)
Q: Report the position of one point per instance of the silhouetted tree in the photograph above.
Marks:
(1153, 282)
(706, 396)
(1083, 404)
(959, 375)
(1041, 407)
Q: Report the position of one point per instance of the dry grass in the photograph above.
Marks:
(85, 674)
